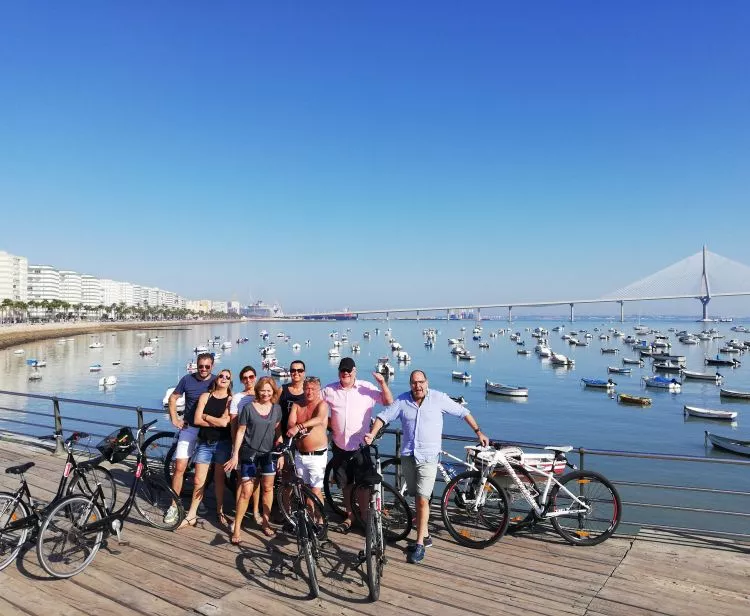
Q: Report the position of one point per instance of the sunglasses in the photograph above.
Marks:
(204, 367)
(248, 377)
(296, 370)
(228, 377)
(346, 371)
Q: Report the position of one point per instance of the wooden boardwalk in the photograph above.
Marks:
(197, 571)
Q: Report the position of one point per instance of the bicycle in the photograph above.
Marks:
(385, 520)
(160, 449)
(587, 518)
(20, 514)
(305, 512)
(74, 527)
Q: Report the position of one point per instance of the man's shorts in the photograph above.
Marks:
(341, 467)
(311, 468)
(261, 465)
(419, 476)
(186, 443)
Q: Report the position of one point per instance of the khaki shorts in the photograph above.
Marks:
(419, 476)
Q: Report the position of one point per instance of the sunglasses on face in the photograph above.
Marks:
(345, 371)
(225, 376)
(296, 370)
(248, 377)
(204, 367)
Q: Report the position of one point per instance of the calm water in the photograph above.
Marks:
(559, 410)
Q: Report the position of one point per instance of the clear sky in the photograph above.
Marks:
(331, 154)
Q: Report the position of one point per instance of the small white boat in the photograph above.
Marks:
(269, 350)
(450, 341)
(733, 393)
(201, 348)
(35, 375)
(153, 339)
(403, 356)
(695, 411)
(460, 376)
(147, 350)
(662, 382)
(484, 345)
(40, 363)
(191, 367)
(96, 345)
(116, 362)
(702, 376)
(599, 383)
(635, 361)
(296, 346)
(334, 352)
(108, 381)
(19, 352)
(337, 343)
(395, 346)
(95, 368)
(616, 370)
(729, 444)
(561, 360)
(280, 372)
(506, 390)
(384, 367)
(466, 356)
(226, 344)
(523, 351)
(356, 348)
(180, 401)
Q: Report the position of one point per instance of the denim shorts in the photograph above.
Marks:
(216, 452)
(263, 464)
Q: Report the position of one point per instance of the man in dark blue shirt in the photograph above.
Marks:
(192, 385)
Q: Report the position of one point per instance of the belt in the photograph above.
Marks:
(320, 452)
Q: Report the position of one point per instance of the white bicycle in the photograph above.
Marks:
(583, 506)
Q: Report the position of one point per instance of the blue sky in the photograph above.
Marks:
(375, 154)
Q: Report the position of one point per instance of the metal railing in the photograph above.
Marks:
(674, 507)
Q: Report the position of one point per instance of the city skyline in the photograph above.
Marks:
(357, 156)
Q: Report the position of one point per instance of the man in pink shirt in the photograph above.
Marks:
(351, 401)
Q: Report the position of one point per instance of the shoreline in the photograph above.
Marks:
(21, 333)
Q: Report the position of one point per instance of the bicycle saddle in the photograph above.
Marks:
(559, 449)
(21, 468)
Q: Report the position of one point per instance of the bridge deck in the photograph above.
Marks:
(197, 571)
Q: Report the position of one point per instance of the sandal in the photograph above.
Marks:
(235, 541)
(344, 527)
(269, 532)
(258, 519)
(222, 519)
(187, 522)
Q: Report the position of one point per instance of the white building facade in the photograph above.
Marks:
(71, 287)
(14, 273)
(43, 283)
(92, 291)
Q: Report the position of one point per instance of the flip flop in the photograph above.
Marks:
(222, 519)
(344, 527)
(187, 522)
(235, 541)
(269, 532)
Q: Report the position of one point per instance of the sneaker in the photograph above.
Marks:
(202, 509)
(416, 555)
(171, 516)
(427, 544)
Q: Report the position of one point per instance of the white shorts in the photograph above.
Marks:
(186, 443)
(311, 469)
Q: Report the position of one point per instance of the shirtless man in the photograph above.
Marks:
(311, 455)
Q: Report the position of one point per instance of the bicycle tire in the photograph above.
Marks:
(63, 523)
(474, 529)
(289, 511)
(605, 500)
(153, 498)
(155, 449)
(390, 470)
(305, 539)
(188, 482)
(396, 516)
(11, 510)
(521, 515)
(334, 495)
(373, 555)
(84, 480)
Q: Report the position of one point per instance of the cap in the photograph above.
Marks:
(347, 363)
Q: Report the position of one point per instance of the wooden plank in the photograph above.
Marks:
(10, 609)
(19, 589)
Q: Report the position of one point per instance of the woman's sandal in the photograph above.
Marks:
(222, 519)
(344, 527)
(258, 519)
(235, 541)
(187, 522)
(268, 532)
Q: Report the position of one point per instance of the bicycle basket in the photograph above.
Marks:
(118, 445)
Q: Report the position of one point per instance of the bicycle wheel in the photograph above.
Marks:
(373, 554)
(474, 518)
(396, 516)
(305, 540)
(84, 480)
(11, 510)
(520, 512)
(314, 507)
(65, 546)
(155, 449)
(333, 493)
(153, 498)
(599, 495)
(188, 483)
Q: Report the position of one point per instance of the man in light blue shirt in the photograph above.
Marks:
(421, 413)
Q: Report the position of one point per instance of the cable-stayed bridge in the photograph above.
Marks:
(701, 277)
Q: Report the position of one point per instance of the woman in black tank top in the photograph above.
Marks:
(214, 445)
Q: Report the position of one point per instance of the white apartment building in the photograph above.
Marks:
(219, 307)
(199, 305)
(71, 287)
(92, 291)
(110, 291)
(126, 293)
(151, 295)
(43, 283)
(14, 273)
(137, 295)
(234, 307)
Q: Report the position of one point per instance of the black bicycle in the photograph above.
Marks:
(74, 527)
(159, 451)
(21, 515)
(304, 511)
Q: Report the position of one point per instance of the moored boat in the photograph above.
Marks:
(662, 382)
(702, 376)
(616, 370)
(729, 444)
(95, 367)
(695, 411)
(718, 361)
(460, 376)
(506, 390)
(635, 400)
(599, 383)
(634, 361)
(734, 393)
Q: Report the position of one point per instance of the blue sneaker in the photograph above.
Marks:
(416, 555)
(427, 544)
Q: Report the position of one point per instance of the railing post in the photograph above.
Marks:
(581, 452)
(59, 446)
(397, 453)
(141, 436)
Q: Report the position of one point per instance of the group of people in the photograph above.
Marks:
(238, 432)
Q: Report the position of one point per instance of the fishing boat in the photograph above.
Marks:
(355, 348)
(108, 381)
(116, 362)
(635, 400)
(384, 367)
(702, 376)
(734, 393)
(226, 344)
(35, 375)
(279, 372)
(19, 352)
(695, 411)
(403, 356)
(635, 361)
(180, 404)
(610, 350)
(147, 350)
(466, 356)
(484, 345)
(616, 370)
(666, 366)
(333, 352)
(506, 390)
(561, 360)
(729, 444)
(523, 351)
(96, 345)
(662, 382)
(599, 383)
(718, 361)
(95, 367)
(460, 376)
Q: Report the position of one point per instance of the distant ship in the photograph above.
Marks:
(261, 310)
(336, 316)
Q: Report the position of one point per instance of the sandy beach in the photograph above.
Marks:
(21, 333)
